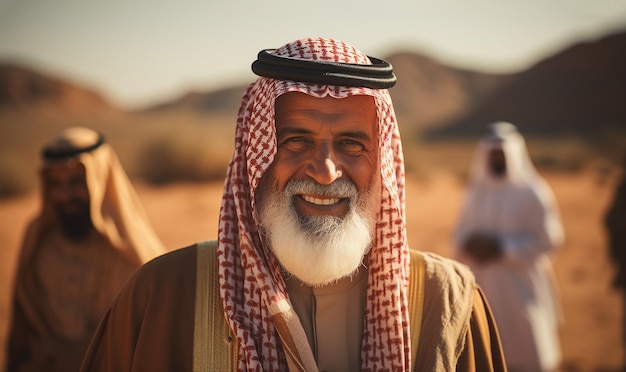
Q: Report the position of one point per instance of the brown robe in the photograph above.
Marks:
(65, 289)
(62, 289)
(151, 324)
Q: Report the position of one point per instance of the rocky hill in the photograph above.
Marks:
(221, 100)
(429, 93)
(579, 91)
(24, 88)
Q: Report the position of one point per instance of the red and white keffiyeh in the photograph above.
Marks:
(253, 291)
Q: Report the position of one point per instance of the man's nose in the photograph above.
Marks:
(324, 167)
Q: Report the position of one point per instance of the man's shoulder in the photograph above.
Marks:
(442, 271)
(176, 256)
(163, 288)
(174, 265)
(446, 297)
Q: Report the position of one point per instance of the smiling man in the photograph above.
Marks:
(323, 188)
(311, 269)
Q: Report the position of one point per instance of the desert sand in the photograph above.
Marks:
(591, 330)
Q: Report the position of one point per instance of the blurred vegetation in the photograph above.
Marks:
(165, 148)
(601, 153)
(197, 153)
(152, 148)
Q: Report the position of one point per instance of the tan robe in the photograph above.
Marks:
(72, 286)
(151, 324)
(62, 289)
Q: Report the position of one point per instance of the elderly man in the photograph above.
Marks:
(508, 229)
(311, 269)
(89, 238)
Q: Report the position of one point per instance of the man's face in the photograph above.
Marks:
(323, 187)
(497, 162)
(66, 189)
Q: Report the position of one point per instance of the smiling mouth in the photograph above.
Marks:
(320, 201)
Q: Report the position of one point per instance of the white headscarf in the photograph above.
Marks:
(116, 210)
(519, 168)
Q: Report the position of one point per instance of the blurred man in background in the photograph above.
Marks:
(90, 236)
(508, 229)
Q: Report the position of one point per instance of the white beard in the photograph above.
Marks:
(318, 250)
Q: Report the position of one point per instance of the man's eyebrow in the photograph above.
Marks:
(287, 130)
(358, 134)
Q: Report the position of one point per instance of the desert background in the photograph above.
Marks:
(569, 104)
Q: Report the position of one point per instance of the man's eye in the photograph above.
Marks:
(295, 139)
(294, 143)
(352, 147)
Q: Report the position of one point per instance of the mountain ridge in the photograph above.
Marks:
(578, 89)
(23, 87)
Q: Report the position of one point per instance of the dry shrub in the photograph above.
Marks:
(177, 147)
(565, 154)
(160, 148)
(194, 154)
(574, 153)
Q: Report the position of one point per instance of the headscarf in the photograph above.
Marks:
(252, 288)
(503, 135)
(116, 211)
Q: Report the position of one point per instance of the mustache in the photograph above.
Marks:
(341, 188)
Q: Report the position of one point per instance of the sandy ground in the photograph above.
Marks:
(185, 213)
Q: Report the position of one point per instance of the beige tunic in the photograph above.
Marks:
(79, 280)
(332, 317)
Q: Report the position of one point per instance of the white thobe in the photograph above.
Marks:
(519, 286)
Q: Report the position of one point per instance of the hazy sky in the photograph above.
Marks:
(136, 52)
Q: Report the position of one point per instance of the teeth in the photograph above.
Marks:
(318, 201)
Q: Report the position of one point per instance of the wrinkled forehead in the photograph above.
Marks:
(354, 114)
(272, 90)
(301, 102)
